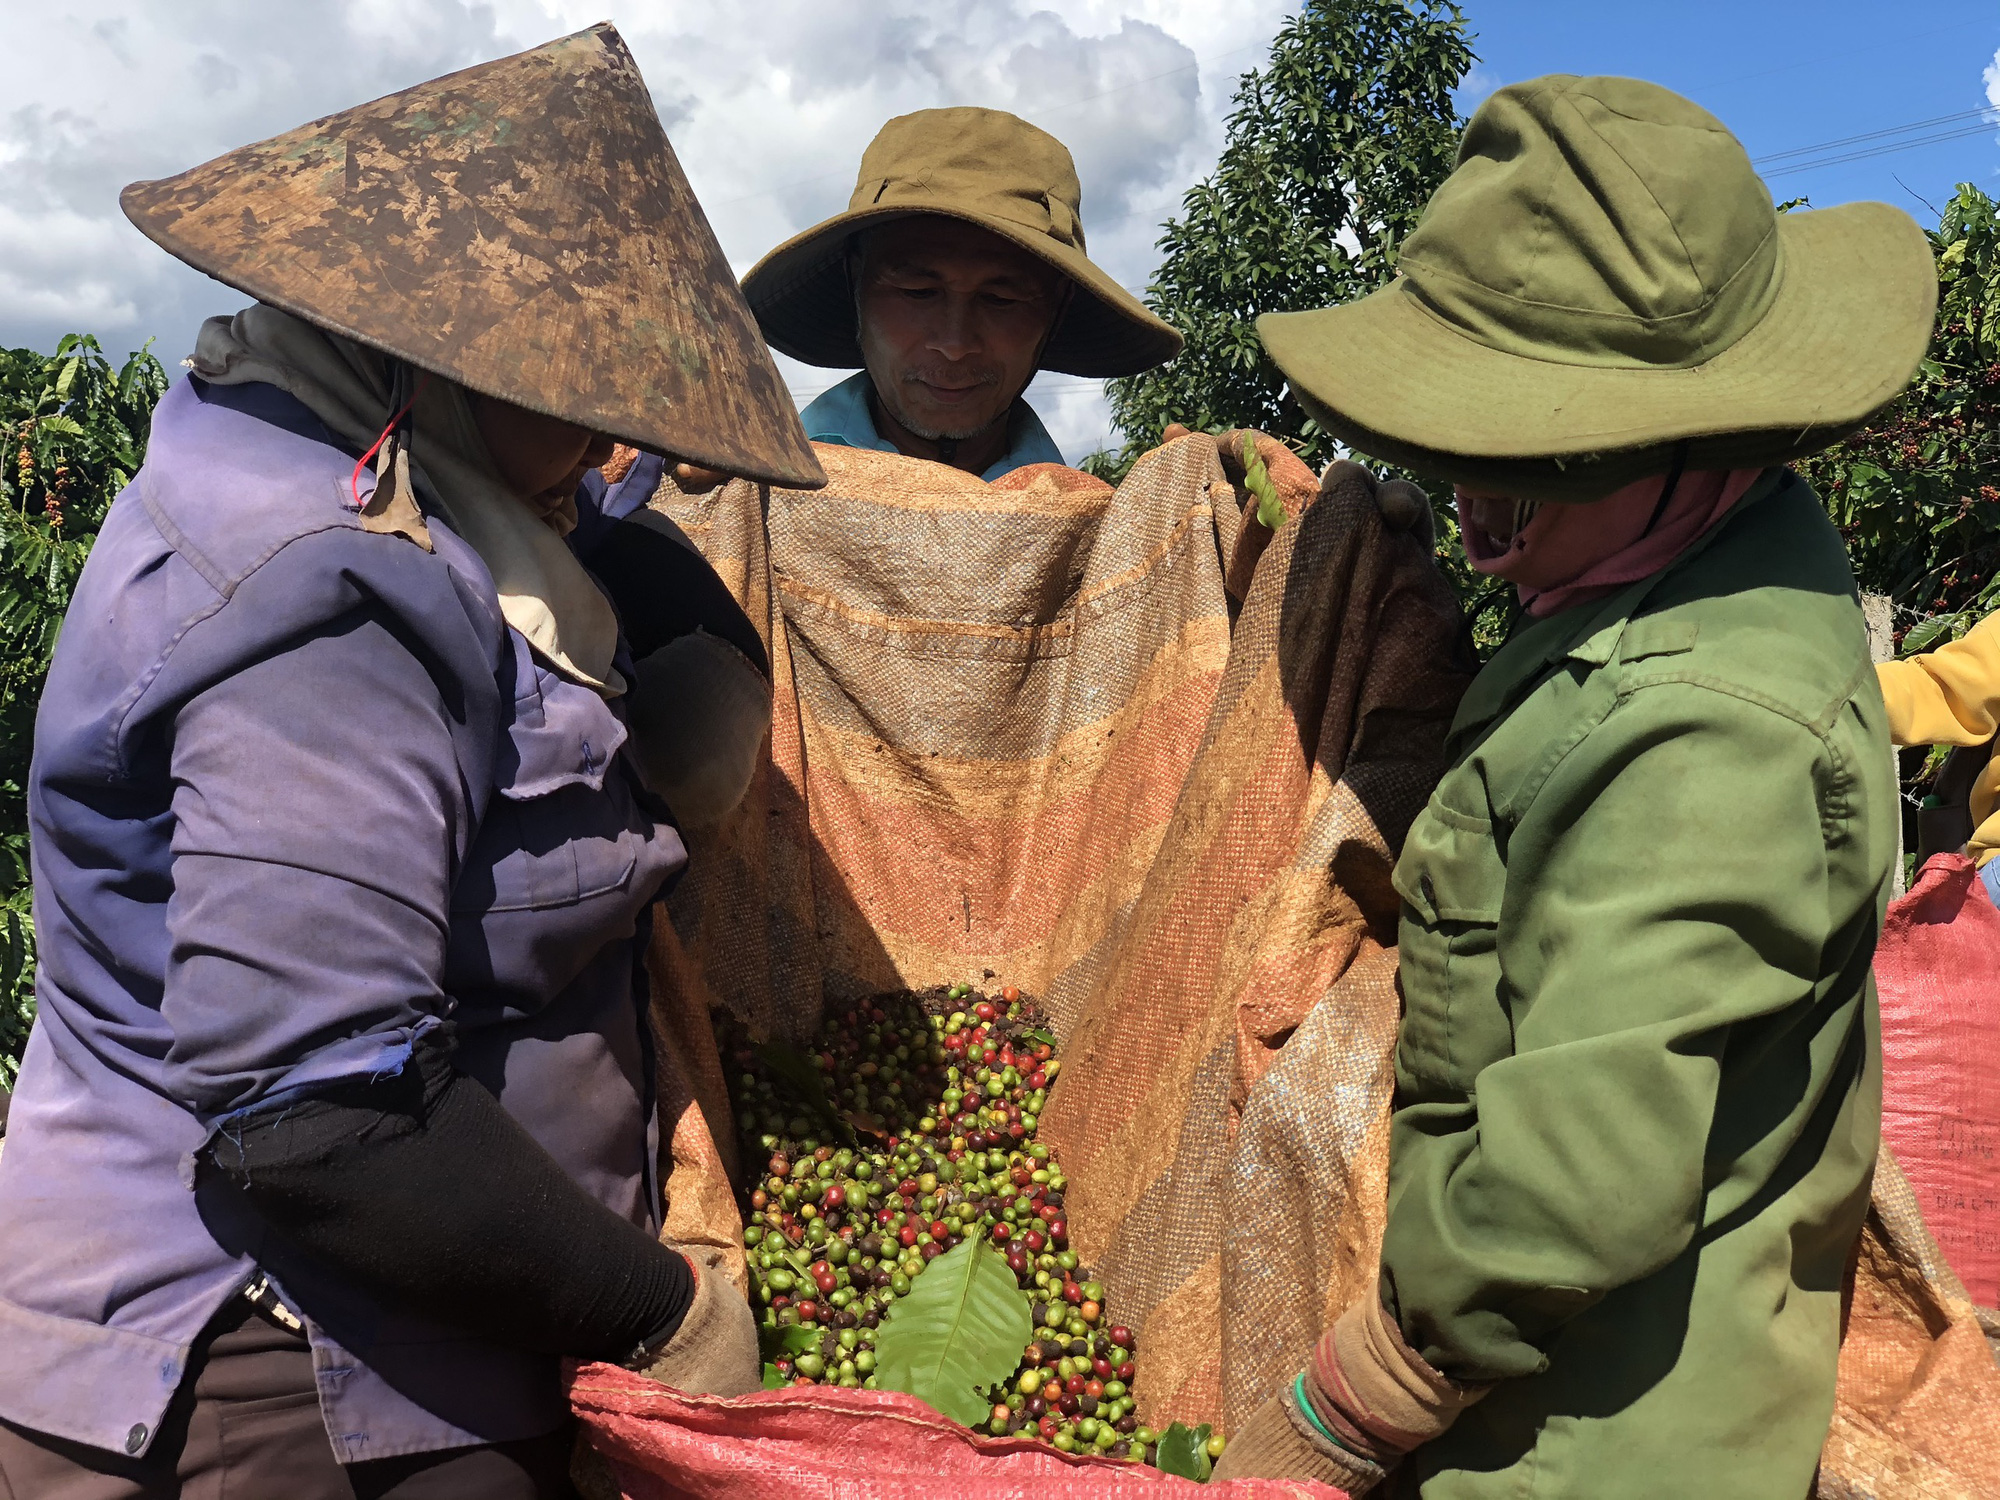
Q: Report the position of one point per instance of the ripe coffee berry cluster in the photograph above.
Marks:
(943, 1092)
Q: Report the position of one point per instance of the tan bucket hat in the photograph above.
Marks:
(522, 228)
(989, 168)
(1602, 286)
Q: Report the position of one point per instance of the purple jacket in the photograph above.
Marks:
(298, 795)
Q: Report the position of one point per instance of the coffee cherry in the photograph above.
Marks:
(959, 1092)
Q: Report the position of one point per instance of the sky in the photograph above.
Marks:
(770, 102)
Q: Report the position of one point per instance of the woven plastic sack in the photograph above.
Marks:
(1938, 971)
(1917, 1410)
(848, 1445)
(1150, 762)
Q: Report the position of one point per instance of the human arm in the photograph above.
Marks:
(1950, 696)
(1666, 918)
(320, 812)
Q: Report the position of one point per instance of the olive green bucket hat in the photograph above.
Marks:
(988, 168)
(1602, 288)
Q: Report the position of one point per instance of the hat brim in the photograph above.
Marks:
(522, 228)
(1846, 331)
(800, 295)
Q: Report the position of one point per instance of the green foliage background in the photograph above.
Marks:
(1333, 150)
(74, 432)
(1917, 493)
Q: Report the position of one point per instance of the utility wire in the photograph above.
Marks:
(1881, 151)
(1873, 143)
(1984, 112)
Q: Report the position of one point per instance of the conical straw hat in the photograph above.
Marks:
(522, 228)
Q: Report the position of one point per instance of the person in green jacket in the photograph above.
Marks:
(1638, 1085)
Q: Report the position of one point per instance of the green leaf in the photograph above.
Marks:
(960, 1330)
(1920, 637)
(1039, 1037)
(1257, 480)
(67, 426)
(774, 1341)
(773, 1380)
(1184, 1451)
(802, 1074)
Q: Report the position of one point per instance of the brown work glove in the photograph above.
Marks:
(1403, 507)
(1367, 1399)
(1278, 1442)
(714, 1351)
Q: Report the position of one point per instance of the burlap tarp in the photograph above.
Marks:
(1150, 762)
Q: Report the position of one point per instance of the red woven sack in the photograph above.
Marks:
(1938, 970)
(822, 1441)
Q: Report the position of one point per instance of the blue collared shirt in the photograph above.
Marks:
(841, 415)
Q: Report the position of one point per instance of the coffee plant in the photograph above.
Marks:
(74, 431)
(1916, 494)
(1333, 148)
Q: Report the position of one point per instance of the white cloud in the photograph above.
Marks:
(1993, 81)
(768, 103)
(1475, 88)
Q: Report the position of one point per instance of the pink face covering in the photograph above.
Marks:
(1571, 554)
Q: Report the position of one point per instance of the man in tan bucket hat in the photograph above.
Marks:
(1638, 1089)
(957, 271)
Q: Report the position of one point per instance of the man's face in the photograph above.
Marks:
(951, 320)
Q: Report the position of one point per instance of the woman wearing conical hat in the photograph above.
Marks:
(336, 1133)
(1638, 1089)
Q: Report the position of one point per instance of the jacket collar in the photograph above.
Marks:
(1589, 633)
(841, 415)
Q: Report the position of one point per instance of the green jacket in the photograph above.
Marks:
(1638, 1079)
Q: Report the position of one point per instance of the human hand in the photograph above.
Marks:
(1402, 506)
(1367, 1399)
(693, 479)
(714, 1351)
(1280, 1442)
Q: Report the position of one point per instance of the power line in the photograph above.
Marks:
(1983, 113)
(1889, 149)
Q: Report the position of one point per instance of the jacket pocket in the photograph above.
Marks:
(565, 859)
(562, 826)
(1452, 881)
(557, 849)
